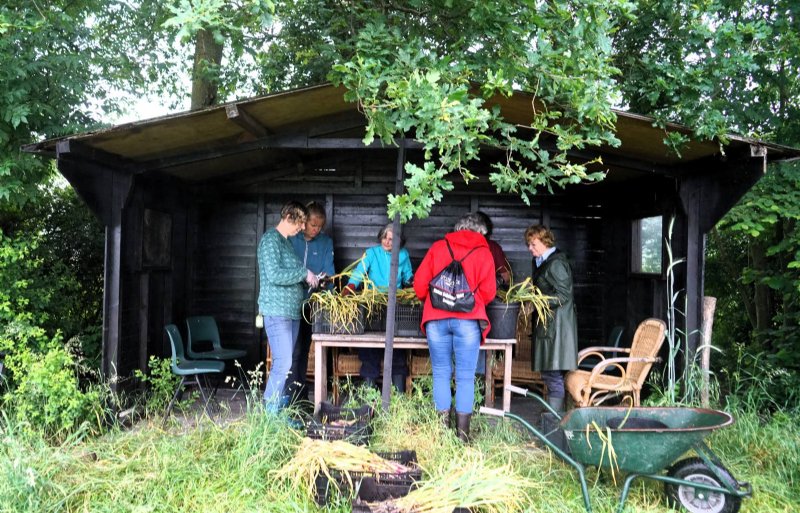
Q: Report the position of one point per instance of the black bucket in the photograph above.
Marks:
(503, 318)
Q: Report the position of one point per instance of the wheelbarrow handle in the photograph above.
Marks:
(528, 393)
(491, 411)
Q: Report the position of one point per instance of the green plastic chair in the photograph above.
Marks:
(203, 328)
(191, 369)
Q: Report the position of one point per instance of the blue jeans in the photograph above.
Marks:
(449, 340)
(281, 335)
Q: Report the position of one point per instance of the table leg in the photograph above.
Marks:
(507, 379)
(487, 389)
(319, 379)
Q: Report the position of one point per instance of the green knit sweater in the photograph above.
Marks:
(282, 277)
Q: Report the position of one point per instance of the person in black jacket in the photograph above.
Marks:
(555, 343)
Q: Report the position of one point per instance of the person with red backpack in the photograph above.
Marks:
(455, 281)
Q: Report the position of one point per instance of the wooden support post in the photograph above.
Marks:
(397, 232)
(709, 306)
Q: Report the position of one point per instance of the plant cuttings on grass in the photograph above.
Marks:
(315, 457)
(469, 481)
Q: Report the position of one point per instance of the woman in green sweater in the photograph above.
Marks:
(282, 277)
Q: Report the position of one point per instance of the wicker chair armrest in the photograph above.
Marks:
(619, 364)
(597, 352)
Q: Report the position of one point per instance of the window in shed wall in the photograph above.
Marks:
(647, 245)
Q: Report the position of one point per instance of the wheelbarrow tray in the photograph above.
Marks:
(639, 450)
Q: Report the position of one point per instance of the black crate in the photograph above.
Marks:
(376, 319)
(370, 486)
(322, 323)
(407, 318)
(360, 506)
(336, 423)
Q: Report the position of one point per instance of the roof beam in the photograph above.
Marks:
(72, 149)
(243, 119)
(272, 142)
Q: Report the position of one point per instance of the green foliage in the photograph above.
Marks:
(690, 62)
(412, 71)
(47, 395)
(50, 285)
(161, 381)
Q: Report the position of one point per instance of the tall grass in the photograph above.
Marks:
(231, 468)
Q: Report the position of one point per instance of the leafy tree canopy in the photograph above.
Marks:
(430, 69)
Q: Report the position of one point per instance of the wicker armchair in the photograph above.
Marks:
(589, 388)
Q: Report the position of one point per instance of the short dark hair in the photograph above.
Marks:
(315, 209)
(294, 211)
(487, 221)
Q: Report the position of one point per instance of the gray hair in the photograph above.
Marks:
(472, 222)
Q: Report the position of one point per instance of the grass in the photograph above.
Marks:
(234, 468)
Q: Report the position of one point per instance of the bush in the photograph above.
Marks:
(162, 383)
(48, 396)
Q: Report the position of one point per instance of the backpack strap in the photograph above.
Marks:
(452, 256)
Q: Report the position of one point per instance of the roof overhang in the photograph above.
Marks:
(282, 129)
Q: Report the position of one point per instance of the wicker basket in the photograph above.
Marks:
(347, 364)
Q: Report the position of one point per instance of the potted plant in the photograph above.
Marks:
(520, 299)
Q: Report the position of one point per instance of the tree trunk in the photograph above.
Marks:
(762, 293)
(207, 54)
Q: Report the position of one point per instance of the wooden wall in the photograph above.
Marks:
(224, 234)
(214, 235)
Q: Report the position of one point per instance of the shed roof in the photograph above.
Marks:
(216, 141)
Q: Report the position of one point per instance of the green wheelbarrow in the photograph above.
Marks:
(646, 441)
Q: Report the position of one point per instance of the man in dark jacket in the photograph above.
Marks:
(555, 347)
(315, 251)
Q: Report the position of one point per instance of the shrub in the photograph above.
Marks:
(46, 393)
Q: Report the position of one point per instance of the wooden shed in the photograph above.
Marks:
(185, 198)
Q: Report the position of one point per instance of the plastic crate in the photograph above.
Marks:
(407, 318)
(336, 423)
(370, 486)
(360, 506)
(322, 323)
(376, 319)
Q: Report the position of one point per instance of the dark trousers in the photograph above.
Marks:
(296, 386)
(555, 383)
(371, 359)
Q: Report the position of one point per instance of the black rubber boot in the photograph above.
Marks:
(549, 425)
(462, 426)
(399, 382)
(444, 415)
(557, 403)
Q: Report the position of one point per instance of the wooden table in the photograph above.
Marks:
(378, 340)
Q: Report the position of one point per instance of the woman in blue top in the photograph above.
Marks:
(375, 265)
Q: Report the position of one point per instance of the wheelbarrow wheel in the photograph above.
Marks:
(696, 500)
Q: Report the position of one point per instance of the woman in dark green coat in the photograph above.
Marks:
(555, 344)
